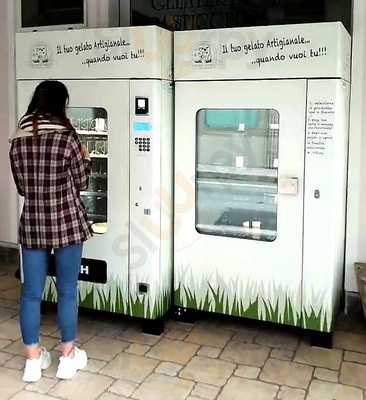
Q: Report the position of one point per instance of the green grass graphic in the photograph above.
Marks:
(253, 300)
(113, 298)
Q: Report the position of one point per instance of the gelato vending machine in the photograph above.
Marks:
(261, 139)
(120, 86)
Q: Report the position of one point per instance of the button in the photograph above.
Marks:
(136, 140)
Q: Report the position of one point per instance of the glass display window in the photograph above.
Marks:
(91, 124)
(237, 173)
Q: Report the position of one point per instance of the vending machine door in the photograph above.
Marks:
(99, 111)
(239, 176)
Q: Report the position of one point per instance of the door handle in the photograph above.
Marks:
(288, 186)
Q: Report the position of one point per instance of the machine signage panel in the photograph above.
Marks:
(95, 53)
(287, 51)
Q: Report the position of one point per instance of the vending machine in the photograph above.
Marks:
(261, 138)
(120, 86)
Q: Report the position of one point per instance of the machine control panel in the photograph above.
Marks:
(143, 144)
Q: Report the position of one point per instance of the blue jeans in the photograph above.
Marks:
(35, 266)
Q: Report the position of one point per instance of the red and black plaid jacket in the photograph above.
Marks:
(49, 171)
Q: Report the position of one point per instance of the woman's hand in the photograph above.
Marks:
(85, 153)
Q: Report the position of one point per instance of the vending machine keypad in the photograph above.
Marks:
(143, 144)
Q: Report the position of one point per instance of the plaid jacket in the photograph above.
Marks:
(49, 171)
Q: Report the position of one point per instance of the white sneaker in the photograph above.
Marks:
(33, 368)
(69, 366)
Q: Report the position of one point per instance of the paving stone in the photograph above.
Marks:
(111, 329)
(49, 329)
(353, 374)
(208, 370)
(208, 351)
(12, 304)
(123, 388)
(17, 362)
(219, 323)
(254, 390)
(355, 357)
(177, 330)
(12, 294)
(10, 382)
(10, 330)
(95, 365)
(8, 282)
(85, 332)
(172, 324)
(320, 390)
(169, 368)
(138, 349)
(51, 371)
(17, 347)
(4, 343)
(319, 357)
(245, 335)
(27, 395)
(173, 350)
(104, 349)
(111, 396)
(209, 337)
(193, 398)
(247, 372)
(287, 373)
(42, 386)
(136, 336)
(6, 313)
(349, 341)
(83, 386)
(158, 387)
(282, 354)
(287, 393)
(4, 357)
(176, 334)
(246, 353)
(204, 391)
(326, 375)
(129, 366)
(278, 339)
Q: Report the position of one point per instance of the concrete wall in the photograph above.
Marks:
(8, 200)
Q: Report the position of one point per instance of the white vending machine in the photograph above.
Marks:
(120, 86)
(261, 138)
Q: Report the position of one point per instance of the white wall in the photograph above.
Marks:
(356, 221)
(8, 201)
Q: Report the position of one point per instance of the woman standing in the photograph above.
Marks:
(50, 167)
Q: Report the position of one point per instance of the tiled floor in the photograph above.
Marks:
(211, 359)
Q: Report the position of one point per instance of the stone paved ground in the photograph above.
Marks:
(211, 359)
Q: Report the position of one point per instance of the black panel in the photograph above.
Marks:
(141, 106)
(52, 12)
(90, 270)
(206, 14)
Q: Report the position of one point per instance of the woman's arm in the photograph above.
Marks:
(80, 166)
(17, 175)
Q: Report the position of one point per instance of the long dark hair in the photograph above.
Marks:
(49, 100)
